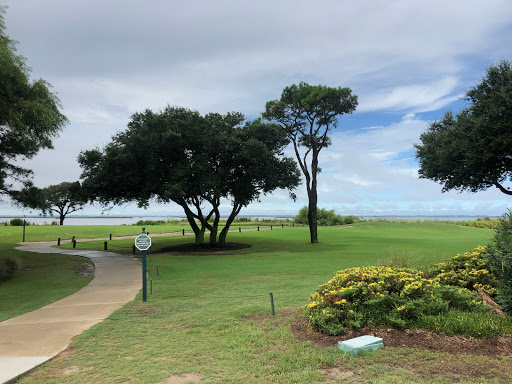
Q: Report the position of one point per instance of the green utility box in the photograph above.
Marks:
(362, 343)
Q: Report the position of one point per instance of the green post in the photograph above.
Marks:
(144, 278)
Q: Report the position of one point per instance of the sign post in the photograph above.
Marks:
(143, 243)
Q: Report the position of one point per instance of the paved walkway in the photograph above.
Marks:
(29, 340)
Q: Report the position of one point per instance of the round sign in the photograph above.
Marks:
(143, 242)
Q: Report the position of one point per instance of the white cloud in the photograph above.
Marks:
(108, 60)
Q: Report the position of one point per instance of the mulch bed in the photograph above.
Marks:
(406, 338)
(194, 249)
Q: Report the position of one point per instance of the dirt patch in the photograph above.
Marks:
(405, 338)
(70, 370)
(85, 269)
(346, 227)
(64, 354)
(187, 378)
(204, 249)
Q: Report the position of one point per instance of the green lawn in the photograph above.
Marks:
(210, 314)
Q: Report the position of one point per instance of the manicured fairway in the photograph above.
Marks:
(209, 315)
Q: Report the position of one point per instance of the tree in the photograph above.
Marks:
(29, 113)
(306, 114)
(195, 161)
(61, 199)
(472, 151)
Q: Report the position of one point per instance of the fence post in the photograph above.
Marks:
(272, 303)
(282, 225)
(110, 236)
(239, 229)
(133, 249)
(74, 243)
(105, 245)
(258, 228)
(58, 241)
(183, 232)
(73, 239)
(270, 227)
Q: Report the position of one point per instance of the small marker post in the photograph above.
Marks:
(272, 303)
(143, 243)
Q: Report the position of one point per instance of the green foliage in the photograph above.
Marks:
(306, 113)
(500, 260)
(29, 112)
(458, 322)
(150, 222)
(192, 160)
(18, 222)
(472, 150)
(470, 270)
(362, 296)
(8, 268)
(61, 199)
(480, 223)
(324, 217)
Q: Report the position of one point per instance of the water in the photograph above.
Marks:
(129, 220)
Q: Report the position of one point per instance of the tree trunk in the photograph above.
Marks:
(213, 236)
(313, 199)
(312, 216)
(61, 219)
(223, 234)
(198, 232)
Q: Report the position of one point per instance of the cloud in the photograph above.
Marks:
(419, 97)
(109, 59)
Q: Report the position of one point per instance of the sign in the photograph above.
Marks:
(143, 242)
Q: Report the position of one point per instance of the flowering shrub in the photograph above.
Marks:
(470, 270)
(500, 260)
(362, 296)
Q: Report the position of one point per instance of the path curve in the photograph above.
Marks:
(33, 338)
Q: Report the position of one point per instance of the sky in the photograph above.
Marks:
(409, 62)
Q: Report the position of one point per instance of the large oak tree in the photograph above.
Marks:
(472, 151)
(29, 113)
(195, 161)
(306, 114)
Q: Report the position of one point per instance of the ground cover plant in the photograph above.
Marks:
(209, 314)
(444, 298)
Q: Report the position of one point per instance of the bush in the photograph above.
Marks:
(470, 270)
(150, 222)
(500, 261)
(18, 223)
(324, 217)
(8, 268)
(363, 296)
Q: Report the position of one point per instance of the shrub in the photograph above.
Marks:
(18, 222)
(150, 222)
(470, 270)
(324, 217)
(8, 268)
(500, 261)
(363, 296)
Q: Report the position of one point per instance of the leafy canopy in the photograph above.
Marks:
(472, 151)
(180, 156)
(307, 113)
(29, 112)
(60, 199)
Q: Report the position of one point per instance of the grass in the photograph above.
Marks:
(210, 315)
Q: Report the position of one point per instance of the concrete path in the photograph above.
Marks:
(29, 340)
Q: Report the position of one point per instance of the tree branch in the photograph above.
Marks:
(503, 189)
